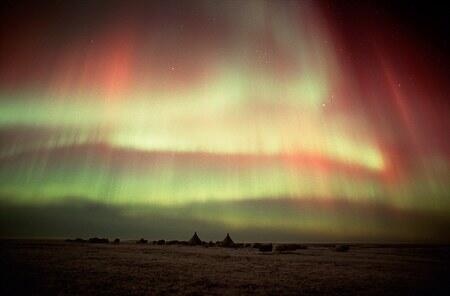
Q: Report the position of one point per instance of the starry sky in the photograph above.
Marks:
(271, 120)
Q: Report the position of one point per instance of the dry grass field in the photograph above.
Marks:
(57, 267)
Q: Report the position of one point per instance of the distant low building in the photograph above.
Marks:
(142, 241)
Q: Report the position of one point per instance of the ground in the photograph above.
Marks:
(57, 267)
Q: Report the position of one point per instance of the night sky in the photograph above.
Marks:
(274, 121)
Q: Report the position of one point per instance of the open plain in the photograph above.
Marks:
(56, 267)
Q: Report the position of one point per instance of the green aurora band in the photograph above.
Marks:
(255, 124)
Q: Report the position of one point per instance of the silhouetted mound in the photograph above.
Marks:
(77, 240)
(256, 245)
(161, 242)
(116, 241)
(227, 242)
(195, 240)
(142, 241)
(342, 248)
(172, 242)
(289, 247)
(247, 245)
(265, 248)
(96, 240)
(211, 244)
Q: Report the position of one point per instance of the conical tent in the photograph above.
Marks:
(227, 242)
(195, 240)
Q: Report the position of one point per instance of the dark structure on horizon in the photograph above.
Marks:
(227, 242)
(195, 240)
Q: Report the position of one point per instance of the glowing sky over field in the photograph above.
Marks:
(245, 116)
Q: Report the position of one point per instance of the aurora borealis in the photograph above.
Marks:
(273, 120)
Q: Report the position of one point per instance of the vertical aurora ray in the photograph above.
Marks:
(253, 108)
